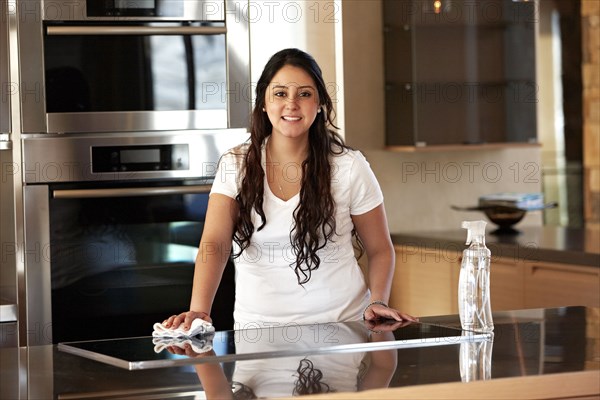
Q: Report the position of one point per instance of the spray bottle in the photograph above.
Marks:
(474, 281)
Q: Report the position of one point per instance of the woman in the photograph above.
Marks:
(293, 199)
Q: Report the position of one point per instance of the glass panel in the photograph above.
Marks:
(135, 73)
(121, 264)
(94, 236)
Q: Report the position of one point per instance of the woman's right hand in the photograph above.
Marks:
(185, 318)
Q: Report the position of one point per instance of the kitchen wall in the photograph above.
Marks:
(419, 187)
(306, 25)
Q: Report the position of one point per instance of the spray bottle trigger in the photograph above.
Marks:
(474, 229)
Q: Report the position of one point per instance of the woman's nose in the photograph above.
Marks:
(292, 100)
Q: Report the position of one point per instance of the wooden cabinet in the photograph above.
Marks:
(425, 283)
(506, 285)
(553, 285)
(459, 72)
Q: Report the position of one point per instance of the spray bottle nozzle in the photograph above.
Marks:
(475, 229)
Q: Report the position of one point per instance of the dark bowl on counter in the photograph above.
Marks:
(504, 217)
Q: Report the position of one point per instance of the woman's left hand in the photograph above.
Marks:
(385, 325)
(379, 311)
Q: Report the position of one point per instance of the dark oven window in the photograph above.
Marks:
(89, 73)
(120, 264)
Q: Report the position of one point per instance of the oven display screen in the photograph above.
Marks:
(162, 157)
(122, 4)
(140, 156)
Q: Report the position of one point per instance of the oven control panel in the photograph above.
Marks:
(164, 157)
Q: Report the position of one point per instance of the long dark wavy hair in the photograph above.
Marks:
(310, 380)
(314, 222)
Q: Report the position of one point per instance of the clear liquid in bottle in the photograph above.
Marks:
(474, 306)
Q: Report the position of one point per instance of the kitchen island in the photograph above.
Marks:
(532, 350)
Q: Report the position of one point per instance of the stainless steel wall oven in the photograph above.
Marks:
(132, 65)
(125, 108)
(112, 226)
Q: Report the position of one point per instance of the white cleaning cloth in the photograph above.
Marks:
(198, 327)
(199, 344)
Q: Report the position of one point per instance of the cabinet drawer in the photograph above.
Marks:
(425, 283)
(506, 285)
(553, 285)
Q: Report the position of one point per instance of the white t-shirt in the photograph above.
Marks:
(267, 289)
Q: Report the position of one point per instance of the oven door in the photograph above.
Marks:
(109, 260)
(137, 76)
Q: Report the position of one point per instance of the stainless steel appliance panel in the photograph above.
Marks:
(37, 261)
(94, 10)
(5, 84)
(31, 74)
(9, 248)
(8, 309)
(70, 158)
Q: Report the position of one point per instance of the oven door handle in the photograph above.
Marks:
(128, 192)
(135, 30)
(5, 144)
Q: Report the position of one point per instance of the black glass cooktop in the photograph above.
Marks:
(271, 342)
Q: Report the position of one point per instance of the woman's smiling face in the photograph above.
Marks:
(291, 102)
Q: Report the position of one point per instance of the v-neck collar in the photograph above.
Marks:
(266, 183)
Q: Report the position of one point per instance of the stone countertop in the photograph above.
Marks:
(547, 244)
(526, 343)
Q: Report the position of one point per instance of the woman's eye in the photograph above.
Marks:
(279, 94)
(305, 94)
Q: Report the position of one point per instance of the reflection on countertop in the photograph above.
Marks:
(535, 342)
